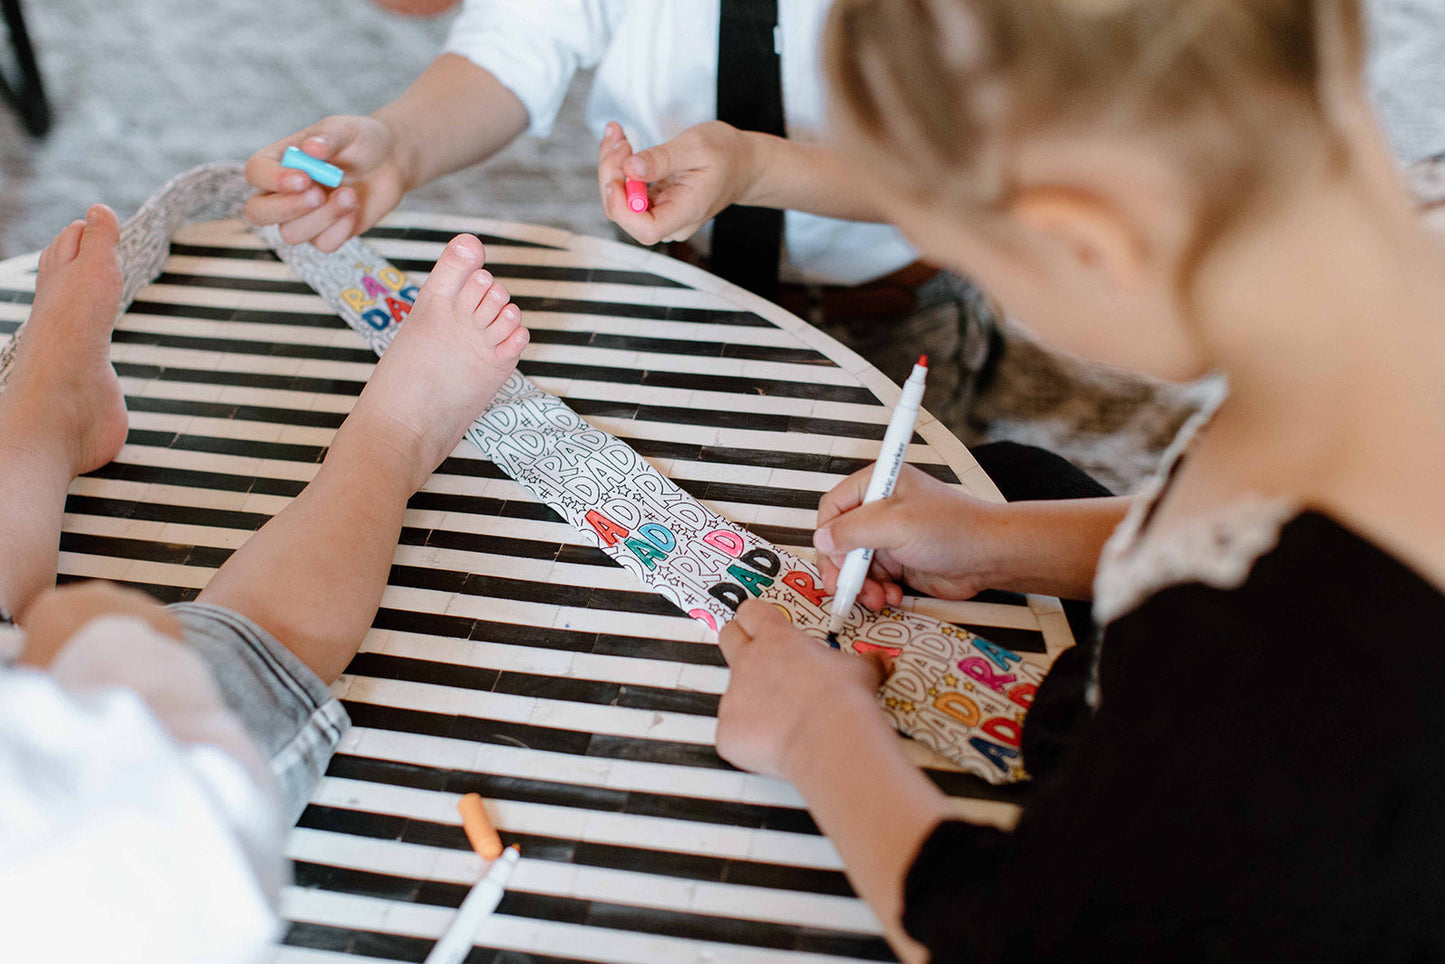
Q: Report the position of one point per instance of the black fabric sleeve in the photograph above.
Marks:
(951, 900)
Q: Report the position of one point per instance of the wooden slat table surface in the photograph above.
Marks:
(509, 658)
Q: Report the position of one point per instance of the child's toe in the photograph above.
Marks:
(101, 233)
(463, 255)
(63, 248)
(496, 297)
(473, 291)
(510, 348)
(507, 321)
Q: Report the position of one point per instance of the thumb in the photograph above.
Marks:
(655, 163)
(872, 526)
(330, 136)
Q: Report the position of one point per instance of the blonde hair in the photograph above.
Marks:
(944, 88)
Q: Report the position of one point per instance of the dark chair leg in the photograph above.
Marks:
(27, 95)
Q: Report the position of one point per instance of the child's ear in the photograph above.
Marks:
(1086, 229)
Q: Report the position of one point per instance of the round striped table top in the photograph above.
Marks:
(508, 657)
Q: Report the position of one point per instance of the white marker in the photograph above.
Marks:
(880, 486)
(485, 895)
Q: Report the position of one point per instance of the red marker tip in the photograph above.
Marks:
(923, 360)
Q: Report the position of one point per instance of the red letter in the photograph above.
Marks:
(806, 586)
(398, 309)
(1003, 729)
(607, 530)
(1023, 694)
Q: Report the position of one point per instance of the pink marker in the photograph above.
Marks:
(636, 195)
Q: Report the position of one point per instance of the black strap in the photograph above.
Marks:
(747, 241)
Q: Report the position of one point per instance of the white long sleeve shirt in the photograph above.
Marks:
(656, 74)
(137, 819)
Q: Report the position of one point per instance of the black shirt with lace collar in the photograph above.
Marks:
(1263, 778)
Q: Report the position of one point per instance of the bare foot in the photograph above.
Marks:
(457, 346)
(63, 396)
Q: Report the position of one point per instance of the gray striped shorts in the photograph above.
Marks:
(286, 708)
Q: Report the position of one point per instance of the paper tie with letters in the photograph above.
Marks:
(958, 694)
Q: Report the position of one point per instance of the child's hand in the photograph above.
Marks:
(784, 688)
(364, 147)
(938, 540)
(691, 178)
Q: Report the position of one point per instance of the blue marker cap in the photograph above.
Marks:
(319, 170)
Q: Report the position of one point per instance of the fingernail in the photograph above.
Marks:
(512, 311)
(90, 215)
(823, 540)
(484, 277)
(497, 294)
(316, 140)
(314, 197)
(346, 198)
(295, 182)
(636, 167)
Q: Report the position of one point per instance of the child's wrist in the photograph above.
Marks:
(993, 533)
(825, 733)
(405, 151)
(750, 164)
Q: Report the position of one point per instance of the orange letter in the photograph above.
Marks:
(958, 706)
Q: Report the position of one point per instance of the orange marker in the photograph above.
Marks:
(484, 837)
(636, 195)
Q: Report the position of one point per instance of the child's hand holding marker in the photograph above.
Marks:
(934, 538)
(364, 148)
(689, 179)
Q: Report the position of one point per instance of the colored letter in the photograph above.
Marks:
(806, 586)
(377, 319)
(658, 534)
(607, 530)
(997, 755)
(725, 542)
(1003, 657)
(763, 561)
(1003, 729)
(373, 287)
(356, 298)
(730, 595)
(392, 278)
(958, 706)
(398, 309)
(1023, 694)
(862, 646)
(703, 616)
(755, 583)
(978, 668)
(646, 551)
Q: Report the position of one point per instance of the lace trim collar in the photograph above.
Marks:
(1218, 549)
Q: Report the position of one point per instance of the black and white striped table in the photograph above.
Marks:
(508, 658)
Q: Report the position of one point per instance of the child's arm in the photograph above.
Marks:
(456, 114)
(796, 710)
(952, 546)
(710, 166)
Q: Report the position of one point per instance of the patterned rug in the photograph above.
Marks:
(145, 89)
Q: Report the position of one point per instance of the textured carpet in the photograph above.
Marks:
(147, 88)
